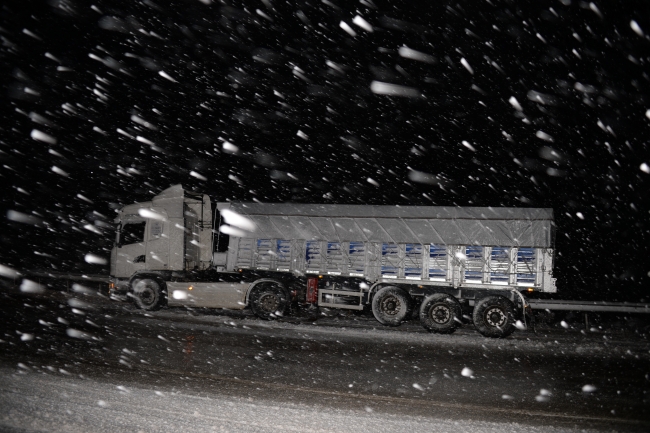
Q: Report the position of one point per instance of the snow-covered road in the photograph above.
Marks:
(116, 368)
(35, 401)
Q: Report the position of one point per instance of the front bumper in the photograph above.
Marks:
(118, 288)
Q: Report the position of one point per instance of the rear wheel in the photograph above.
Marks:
(494, 317)
(147, 294)
(391, 306)
(268, 301)
(440, 313)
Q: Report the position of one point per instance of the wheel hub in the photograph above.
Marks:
(146, 295)
(495, 317)
(144, 292)
(440, 314)
(391, 305)
(269, 302)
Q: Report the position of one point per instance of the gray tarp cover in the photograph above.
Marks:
(521, 227)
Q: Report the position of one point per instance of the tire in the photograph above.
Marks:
(391, 306)
(494, 317)
(147, 294)
(268, 301)
(440, 313)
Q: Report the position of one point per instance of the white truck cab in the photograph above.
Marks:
(172, 232)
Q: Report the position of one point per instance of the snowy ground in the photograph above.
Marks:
(117, 368)
(55, 403)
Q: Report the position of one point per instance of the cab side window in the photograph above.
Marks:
(132, 233)
(221, 246)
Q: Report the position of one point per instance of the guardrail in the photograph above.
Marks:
(61, 278)
(589, 306)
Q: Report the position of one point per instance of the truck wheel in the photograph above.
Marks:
(147, 294)
(268, 301)
(440, 313)
(391, 306)
(494, 317)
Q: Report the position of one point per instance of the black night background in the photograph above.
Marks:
(506, 103)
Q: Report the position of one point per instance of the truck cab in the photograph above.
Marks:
(172, 232)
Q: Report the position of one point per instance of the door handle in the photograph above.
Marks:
(139, 259)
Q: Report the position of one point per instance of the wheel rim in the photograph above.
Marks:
(440, 314)
(147, 296)
(145, 293)
(269, 302)
(495, 317)
(391, 305)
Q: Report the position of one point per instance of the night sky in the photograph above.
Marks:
(504, 103)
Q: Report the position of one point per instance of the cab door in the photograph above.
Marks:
(131, 248)
(157, 242)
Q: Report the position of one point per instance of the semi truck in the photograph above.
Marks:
(182, 249)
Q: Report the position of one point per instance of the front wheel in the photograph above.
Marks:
(391, 306)
(494, 317)
(440, 313)
(148, 295)
(268, 301)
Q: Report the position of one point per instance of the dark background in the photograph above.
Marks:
(86, 76)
